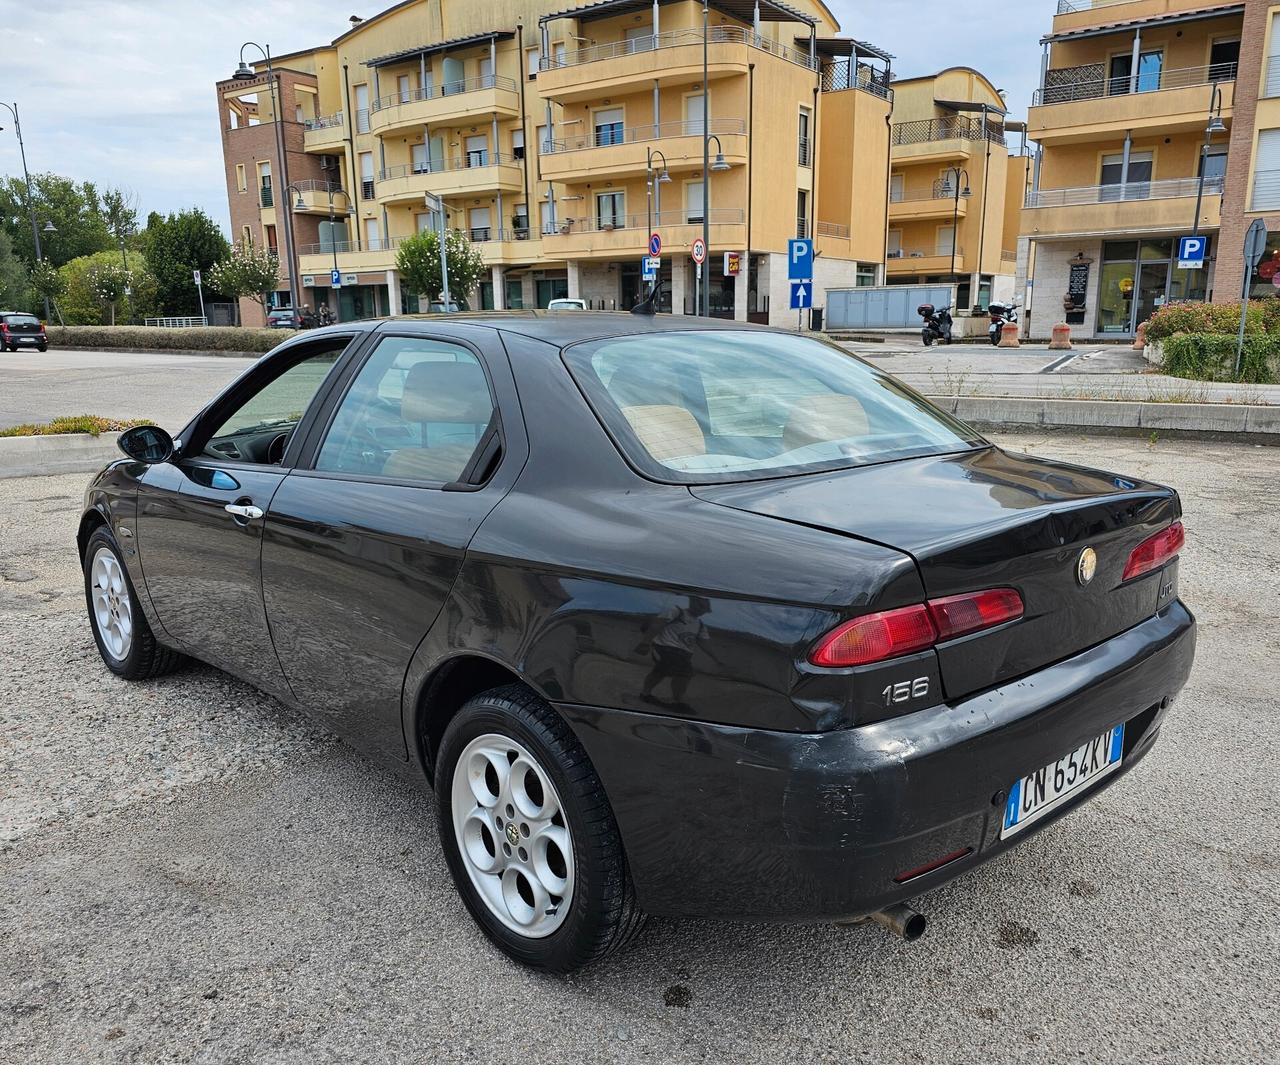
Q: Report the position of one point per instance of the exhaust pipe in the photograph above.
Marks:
(902, 921)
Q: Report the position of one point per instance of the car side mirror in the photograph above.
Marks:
(146, 443)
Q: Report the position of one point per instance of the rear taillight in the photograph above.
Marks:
(893, 633)
(1155, 551)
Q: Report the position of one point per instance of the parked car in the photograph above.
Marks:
(438, 307)
(21, 330)
(678, 617)
(567, 305)
(290, 318)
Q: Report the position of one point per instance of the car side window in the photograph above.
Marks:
(258, 430)
(416, 411)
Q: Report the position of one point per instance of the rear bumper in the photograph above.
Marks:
(778, 826)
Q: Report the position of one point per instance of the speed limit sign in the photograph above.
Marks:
(699, 251)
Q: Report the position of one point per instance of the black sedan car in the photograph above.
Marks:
(677, 616)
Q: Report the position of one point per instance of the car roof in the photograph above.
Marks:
(555, 327)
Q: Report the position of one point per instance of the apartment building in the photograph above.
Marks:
(1138, 119)
(558, 140)
(950, 184)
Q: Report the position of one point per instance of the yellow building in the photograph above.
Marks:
(1132, 116)
(559, 140)
(948, 218)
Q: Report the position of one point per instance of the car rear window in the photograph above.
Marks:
(703, 406)
(21, 319)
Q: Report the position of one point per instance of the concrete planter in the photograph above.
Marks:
(32, 456)
(1154, 352)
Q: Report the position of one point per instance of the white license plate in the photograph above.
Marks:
(1050, 786)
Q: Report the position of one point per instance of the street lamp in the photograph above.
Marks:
(653, 180)
(962, 190)
(26, 178)
(1216, 125)
(244, 72)
(300, 205)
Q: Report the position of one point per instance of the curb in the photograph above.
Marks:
(38, 456)
(159, 351)
(1232, 420)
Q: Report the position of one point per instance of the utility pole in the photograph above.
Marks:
(26, 178)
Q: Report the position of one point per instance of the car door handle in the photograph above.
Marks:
(247, 512)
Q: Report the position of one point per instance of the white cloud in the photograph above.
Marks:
(120, 92)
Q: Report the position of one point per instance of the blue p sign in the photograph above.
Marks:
(1191, 252)
(799, 259)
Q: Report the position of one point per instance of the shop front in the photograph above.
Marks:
(1138, 277)
(1265, 282)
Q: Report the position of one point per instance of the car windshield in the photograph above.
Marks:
(702, 406)
(21, 319)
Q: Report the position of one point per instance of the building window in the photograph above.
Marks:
(421, 162)
(517, 144)
(897, 188)
(372, 241)
(1213, 166)
(866, 275)
(479, 225)
(802, 212)
(362, 108)
(403, 91)
(608, 126)
(478, 150)
(1224, 60)
(609, 210)
(270, 233)
(1273, 59)
(1150, 67)
(1266, 171)
(532, 57)
(242, 180)
(264, 185)
(1112, 177)
(1262, 285)
(693, 201)
(547, 217)
(520, 221)
(246, 236)
(366, 175)
(804, 139)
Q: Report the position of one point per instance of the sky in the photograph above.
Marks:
(120, 92)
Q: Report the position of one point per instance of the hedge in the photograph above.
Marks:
(1212, 357)
(142, 338)
(93, 424)
(1224, 318)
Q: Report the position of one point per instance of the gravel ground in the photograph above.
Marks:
(190, 872)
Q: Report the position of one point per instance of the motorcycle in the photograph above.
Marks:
(1002, 314)
(937, 323)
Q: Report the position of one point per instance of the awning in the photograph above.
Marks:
(742, 10)
(1198, 14)
(834, 47)
(443, 46)
(970, 105)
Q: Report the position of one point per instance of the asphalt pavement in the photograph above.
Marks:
(190, 872)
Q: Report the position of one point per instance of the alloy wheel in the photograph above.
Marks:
(112, 606)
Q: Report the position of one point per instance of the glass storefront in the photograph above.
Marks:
(1265, 283)
(1139, 277)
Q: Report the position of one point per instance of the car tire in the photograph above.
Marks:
(42, 347)
(502, 841)
(125, 641)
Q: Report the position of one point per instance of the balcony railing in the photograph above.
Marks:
(342, 246)
(940, 191)
(1169, 189)
(448, 88)
(1091, 82)
(471, 161)
(842, 74)
(603, 138)
(926, 130)
(314, 185)
(323, 121)
(676, 39)
(1067, 7)
(607, 224)
(831, 229)
(938, 251)
(804, 154)
(1266, 191)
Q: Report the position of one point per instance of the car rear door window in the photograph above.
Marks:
(416, 411)
(699, 406)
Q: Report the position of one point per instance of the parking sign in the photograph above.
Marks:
(1191, 252)
(799, 259)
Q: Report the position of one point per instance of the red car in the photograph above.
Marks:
(19, 330)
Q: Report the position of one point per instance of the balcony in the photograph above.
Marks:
(1106, 210)
(1083, 103)
(930, 139)
(354, 256)
(627, 235)
(929, 260)
(1266, 191)
(468, 175)
(672, 57)
(1081, 14)
(324, 134)
(619, 153)
(924, 205)
(453, 101)
(315, 197)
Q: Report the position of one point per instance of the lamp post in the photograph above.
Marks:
(1216, 125)
(244, 72)
(26, 178)
(300, 205)
(961, 190)
(654, 201)
(438, 210)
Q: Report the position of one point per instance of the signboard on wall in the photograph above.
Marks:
(732, 263)
(1078, 283)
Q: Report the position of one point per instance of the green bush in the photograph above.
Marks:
(1223, 318)
(93, 424)
(143, 338)
(1212, 357)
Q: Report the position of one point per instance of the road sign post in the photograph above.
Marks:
(1191, 252)
(800, 274)
(1255, 244)
(655, 244)
(335, 278)
(195, 274)
(650, 266)
(699, 253)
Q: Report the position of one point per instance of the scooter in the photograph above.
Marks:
(937, 323)
(1002, 314)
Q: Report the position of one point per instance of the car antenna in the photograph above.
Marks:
(649, 305)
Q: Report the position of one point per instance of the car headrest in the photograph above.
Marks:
(446, 392)
(825, 417)
(666, 432)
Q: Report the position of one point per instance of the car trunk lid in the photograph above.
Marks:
(988, 519)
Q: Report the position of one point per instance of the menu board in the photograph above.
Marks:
(1078, 283)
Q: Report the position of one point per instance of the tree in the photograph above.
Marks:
(112, 283)
(46, 282)
(247, 273)
(120, 211)
(94, 290)
(75, 209)
(418, 261)
(176, 246)
(15, 288)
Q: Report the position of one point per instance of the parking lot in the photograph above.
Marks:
(190, 872)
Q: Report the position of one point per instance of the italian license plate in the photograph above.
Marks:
(1050, 786)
